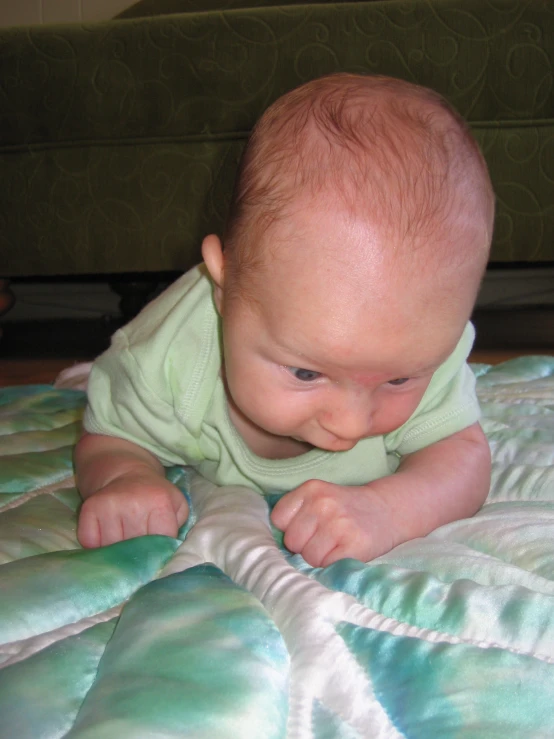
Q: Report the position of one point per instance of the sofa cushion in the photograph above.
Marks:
(119, 141)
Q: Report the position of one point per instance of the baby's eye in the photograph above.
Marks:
(305, 375)
(399, 381)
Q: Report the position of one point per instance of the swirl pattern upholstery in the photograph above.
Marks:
(119, 140)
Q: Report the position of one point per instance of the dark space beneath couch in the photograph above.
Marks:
(512, 328)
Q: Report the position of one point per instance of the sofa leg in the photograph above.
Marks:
(7, 298)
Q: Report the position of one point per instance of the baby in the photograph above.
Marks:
(321, 349)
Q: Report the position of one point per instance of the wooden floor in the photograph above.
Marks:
(39, 371)
(32, 371)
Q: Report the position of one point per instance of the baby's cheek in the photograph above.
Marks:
(393, 414)
(266, 412)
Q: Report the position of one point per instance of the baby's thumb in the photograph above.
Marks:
(180, 506)
(182, 512)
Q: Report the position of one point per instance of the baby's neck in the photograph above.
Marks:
(261, 442)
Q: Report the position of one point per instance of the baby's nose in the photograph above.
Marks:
(351, 420)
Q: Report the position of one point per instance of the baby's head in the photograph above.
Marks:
(360, 227)
(390, 152)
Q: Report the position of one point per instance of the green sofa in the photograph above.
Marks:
(119, 140)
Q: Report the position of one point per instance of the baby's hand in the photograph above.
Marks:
(325, 522)
(131, 505)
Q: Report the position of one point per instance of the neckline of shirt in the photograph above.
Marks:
(302, 462)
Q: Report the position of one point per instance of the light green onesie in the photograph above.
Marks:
(159, 385)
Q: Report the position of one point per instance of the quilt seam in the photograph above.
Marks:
(66, 481)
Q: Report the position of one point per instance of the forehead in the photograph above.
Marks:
(369, 352)
(350, 338)
(324, 236)
(334, 289)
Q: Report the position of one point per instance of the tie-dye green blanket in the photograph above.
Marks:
(221, 633)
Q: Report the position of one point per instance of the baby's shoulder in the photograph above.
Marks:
(184, 308)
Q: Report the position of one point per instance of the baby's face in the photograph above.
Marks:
(331, 353)
(306, 386)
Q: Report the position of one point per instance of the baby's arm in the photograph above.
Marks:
(444, 482)
(125, 491)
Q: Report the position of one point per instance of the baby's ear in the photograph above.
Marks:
(212, 253)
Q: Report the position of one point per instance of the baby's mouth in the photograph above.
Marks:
(335, 444)
(342, 446)
(303, 441)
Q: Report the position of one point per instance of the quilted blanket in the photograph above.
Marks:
(223, 633)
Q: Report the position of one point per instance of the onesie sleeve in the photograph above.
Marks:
(137, 387)
(122, 404)
(449, 405)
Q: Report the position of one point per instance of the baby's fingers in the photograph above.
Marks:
(88, 531)
(301, 530)
(162, 521)
(93, 531)
(286, 509)
(320, 548)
